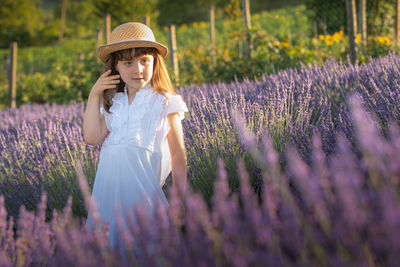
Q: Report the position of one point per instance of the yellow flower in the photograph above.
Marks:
(285, 44)
(358, 38)
(202, 24)
(165, 28)
(276, 16)
(329, 39)
(337, 37)
(321, 37)
(297, 12)
(314, 40)
(183, 26)
(386, 40)
(194, 24)
(37, 74)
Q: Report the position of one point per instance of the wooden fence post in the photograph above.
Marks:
(146, 20)
(12, 74)
(62, 21)
(363, 21)
(173, 55)
(397, 23)
(212, 33)
(81, 57)
(99, 37)
(107, 28)
(351, 28)
(247, 19)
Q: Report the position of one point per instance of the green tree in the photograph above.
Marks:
(122, 11)
(80, 18)
(258, 5)
(381, 17)
(330, 16)
(142, 8)
(21, 21)
(182, 11)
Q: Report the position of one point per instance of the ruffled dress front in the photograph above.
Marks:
(135, 159)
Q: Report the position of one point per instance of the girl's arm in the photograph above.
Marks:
(177, 149)
(94, 124)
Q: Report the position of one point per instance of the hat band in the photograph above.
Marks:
(144, 38)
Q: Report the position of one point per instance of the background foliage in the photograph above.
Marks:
(22, 21)
(330, 16)
(37, 22)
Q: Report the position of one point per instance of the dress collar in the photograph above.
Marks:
(147, 87)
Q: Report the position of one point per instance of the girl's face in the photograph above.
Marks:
(137, 72)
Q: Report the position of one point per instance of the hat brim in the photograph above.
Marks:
(103, 52)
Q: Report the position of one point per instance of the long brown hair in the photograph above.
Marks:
(160, 80)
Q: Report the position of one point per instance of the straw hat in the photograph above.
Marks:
(128, 35)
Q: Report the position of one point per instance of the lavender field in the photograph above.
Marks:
(301, 167)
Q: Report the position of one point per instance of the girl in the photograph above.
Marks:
(134, 107)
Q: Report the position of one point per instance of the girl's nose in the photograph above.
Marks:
(136, 66)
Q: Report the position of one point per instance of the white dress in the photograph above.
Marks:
(134, 159)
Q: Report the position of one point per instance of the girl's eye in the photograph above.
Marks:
(127, 63)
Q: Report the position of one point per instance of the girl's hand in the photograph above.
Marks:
(105, 82)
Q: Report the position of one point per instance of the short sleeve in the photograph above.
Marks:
(176, 104)
(107, 116)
